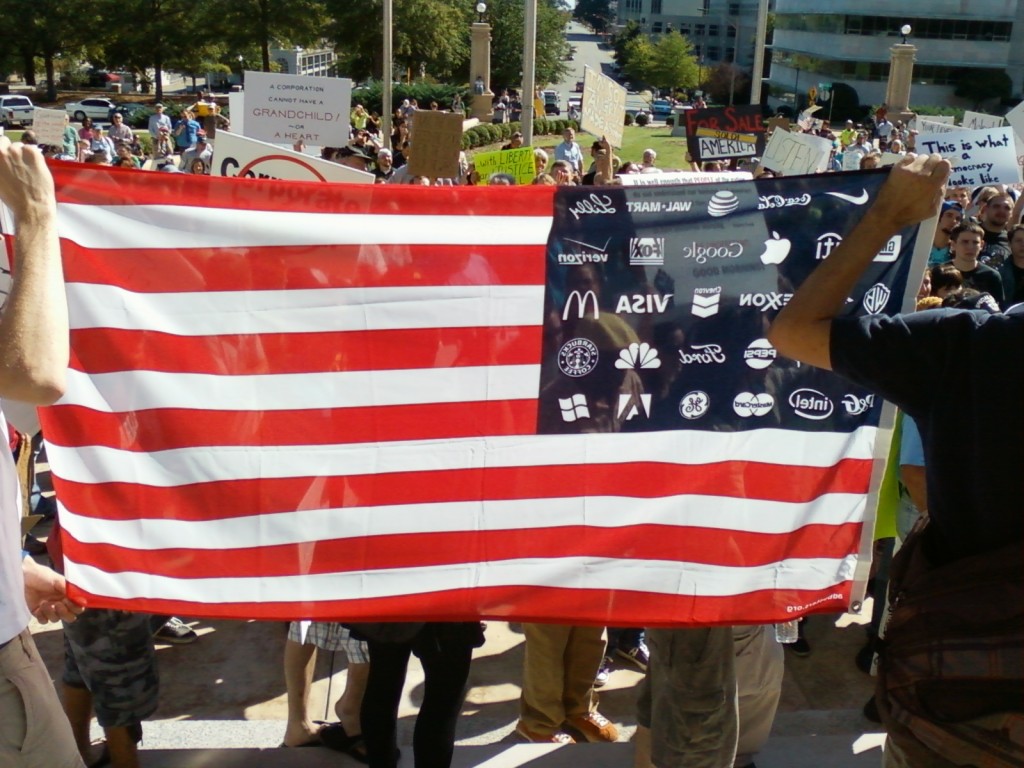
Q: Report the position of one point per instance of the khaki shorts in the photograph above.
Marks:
(34, 733)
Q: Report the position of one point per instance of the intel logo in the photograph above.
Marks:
(811, 404)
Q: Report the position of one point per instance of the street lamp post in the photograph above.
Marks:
(901, 73)
(480, 66)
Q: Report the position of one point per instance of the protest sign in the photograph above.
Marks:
(796, 153)
(282, 109)
(681, 177)
(438, 143)
(724, 132)
(987, 156)
(241, 156)
(890, 158)
(236, 108)
(915, 123)
(925, 125)
(974, 121)
(851, 161)
(604, 106)
(48, 126)
(517, 163)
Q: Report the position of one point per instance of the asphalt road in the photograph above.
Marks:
(589, 54)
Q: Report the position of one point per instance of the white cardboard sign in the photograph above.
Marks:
(974, 121)
(682, 177)
(986, 156)
(282, 109)
(604, 106)
(236, 155)
(796, 154)
(48, 126)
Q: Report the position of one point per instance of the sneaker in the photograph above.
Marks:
(175, 631)
(593, 727)
(604, 672)
(638, 655)
(558, 737)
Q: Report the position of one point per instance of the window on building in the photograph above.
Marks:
(283, 64)
(656, 27)
(655, 6)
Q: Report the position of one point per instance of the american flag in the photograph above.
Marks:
(298, 400)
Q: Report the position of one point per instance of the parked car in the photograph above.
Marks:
(16, 110)
(94, 107)
(661, 107)
(551, 106)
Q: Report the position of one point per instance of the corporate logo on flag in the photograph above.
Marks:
(722, 204)
(765, 301)
(701, 252)
(856, 405)
(855, 199)
(747, 404)
(577, 357)
(636, 355)
(643, 304)
(581, 301)
(759, 354)
(694, 404)
(826, 243)
(766, 202)
(776, 249)
(593, 205)
(891, 251)
(702, 354)
(706, 301)
(876, 298)
(811, 404)
(589, 253)
(647, 251)
(632, 405)
(573, 408)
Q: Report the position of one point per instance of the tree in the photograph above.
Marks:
(620, 42)
(727, 84)
(638, 60)
(596, 14)
(673, 64)
(981, 85)
(434, 33)
(507, 30)
(259, 24)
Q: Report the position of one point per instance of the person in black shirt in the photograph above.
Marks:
(1012, 270)
(965, 244)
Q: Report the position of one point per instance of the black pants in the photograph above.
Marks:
(445, 656)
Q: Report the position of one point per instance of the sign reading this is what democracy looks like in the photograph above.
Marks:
(283, 109)
(987, 156)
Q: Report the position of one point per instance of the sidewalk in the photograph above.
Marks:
(226, 693)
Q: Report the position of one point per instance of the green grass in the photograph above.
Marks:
(635, 139)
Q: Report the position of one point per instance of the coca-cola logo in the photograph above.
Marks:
(702, 354)
(766, 202)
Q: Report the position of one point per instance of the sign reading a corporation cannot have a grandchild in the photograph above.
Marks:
(282, 109)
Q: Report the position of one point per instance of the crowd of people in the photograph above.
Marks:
(709, 694)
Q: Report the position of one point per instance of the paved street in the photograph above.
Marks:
(589, 54)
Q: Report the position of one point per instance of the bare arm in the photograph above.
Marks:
(34, 328)
(911, 194)
(912, 476)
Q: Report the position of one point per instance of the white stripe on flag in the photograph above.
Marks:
(140, 227)
(184, 466)
(651, 576)
(716, 512)
(142, 390)
(302, 311)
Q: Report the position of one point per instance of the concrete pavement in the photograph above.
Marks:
(222, 703)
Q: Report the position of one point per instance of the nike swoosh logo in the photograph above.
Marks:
(856, 200)
(599, 248)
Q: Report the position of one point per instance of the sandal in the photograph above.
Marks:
(333, 736)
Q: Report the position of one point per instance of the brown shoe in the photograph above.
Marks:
(558, 737)
(593, 727)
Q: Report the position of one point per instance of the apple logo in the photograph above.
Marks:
(776, 249)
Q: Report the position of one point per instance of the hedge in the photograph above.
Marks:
(488, 133)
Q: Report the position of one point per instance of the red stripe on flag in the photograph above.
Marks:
(164, 429)
(740, 549)
(106, 350)
(521, 603)
(240, 498)
(169, 270)
(82, 184)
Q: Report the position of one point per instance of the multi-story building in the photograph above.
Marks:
(318, 62)
(720, 30)
(850, 41)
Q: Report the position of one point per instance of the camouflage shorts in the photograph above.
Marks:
(111, 654)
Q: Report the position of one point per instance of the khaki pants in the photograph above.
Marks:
(759, 669)
(558, 674)
(34, 733)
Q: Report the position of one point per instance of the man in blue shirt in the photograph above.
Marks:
(570, 151)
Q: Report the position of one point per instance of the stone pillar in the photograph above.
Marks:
(901, 73)
(480, 66)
